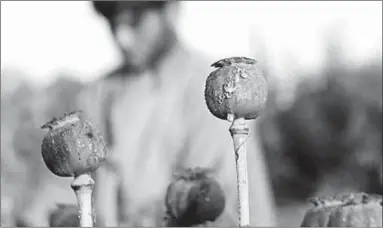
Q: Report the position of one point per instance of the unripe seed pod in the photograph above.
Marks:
(72, 146)
(65, 215)
(194, 198)
(237, 88)
(351, 210)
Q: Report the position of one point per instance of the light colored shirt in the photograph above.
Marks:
(156, 123)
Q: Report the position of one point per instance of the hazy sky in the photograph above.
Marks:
(41, 37)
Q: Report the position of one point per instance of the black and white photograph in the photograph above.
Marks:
(191, 114)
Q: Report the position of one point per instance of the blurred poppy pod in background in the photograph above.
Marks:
(65, 215)
(351, 210)
(194, 198)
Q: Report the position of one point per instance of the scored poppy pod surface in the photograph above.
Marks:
(236, 87)
(72, 146)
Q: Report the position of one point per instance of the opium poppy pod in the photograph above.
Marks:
(350, 210)
(237, 88)
(318, 215)
(72, 146)
(65, 215)
(359, 210)
(194, 198)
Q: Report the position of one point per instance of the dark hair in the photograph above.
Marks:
(109, 8)
(105, 8)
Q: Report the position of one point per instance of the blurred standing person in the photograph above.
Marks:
(153, 115)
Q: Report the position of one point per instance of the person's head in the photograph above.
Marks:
(143, 30)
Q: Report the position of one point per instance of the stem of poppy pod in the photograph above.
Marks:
(239, 132)
(83, 186)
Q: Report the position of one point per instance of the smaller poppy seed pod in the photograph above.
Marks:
(64, 215)
(72, 146)
(193, 199)
(348, 210)
(236, 89)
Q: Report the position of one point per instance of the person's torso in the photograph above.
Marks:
(149, 118)
(160, 123)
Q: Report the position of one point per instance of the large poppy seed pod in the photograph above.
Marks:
(72, 146)
(194, 198)
(237, 88)
(350, 210)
